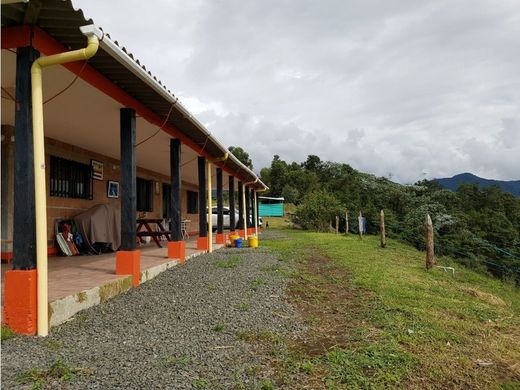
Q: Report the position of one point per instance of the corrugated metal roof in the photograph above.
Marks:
(61, 20)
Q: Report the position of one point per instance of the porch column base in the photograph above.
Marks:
(232, 233)
(221, 238)
(203, 243)
(129, 263)
(20, 298)
(177, 250)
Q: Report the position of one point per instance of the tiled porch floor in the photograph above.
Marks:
(71, 275)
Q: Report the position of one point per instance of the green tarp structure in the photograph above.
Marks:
(270, 207)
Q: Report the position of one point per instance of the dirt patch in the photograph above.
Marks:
(483, 296)
(333, 311)
(330, 305)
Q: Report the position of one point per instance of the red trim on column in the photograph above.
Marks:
(177, 250)
(20, 298)
(16, 36)
(221, 238)
(129, 263)
(203, 243)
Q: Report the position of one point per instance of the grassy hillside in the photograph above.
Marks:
(378, 319)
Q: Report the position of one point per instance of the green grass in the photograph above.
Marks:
(243, 306)
(277, 222)
(200, 383)
(417, 328)
(229, 262)
(174, 361)
(256, 283)
(38, 378)
(219, 328)
(7, 333)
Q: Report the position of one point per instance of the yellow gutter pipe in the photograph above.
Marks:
(256, 214)
(210, 200)
(40, 191)
(210, 208)
(244, 203)
(223, 158)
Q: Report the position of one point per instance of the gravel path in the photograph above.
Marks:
(183, 329)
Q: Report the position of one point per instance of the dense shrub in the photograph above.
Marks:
(317, 210)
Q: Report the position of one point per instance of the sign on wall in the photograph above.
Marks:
(97, 169)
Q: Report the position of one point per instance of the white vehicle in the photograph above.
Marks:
(226, 218)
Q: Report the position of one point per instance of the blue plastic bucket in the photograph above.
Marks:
(239, 243)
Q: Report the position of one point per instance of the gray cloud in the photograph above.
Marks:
(400, 87)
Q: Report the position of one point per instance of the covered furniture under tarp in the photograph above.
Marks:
(100, 224)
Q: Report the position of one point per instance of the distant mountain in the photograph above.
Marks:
(452, 183)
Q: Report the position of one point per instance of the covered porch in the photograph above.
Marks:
(157, 161)
(79, 282)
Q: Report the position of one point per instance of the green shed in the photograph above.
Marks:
(270, 207)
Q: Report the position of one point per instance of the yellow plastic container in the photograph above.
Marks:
(253, 242)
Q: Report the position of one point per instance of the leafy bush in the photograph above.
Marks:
(317, 210)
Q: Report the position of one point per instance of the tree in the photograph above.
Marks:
(313, 163)
(317, 211)
(278, 176)
(241, 155)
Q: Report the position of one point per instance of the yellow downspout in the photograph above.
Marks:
(223, 158)
(244, 213)
(39, 164)
(256, 214)
(244, 200)
(210, 209)
(210, 200)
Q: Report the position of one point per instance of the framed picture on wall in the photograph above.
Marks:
(97, 169)
(113, 189)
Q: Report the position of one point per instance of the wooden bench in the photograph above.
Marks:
(159, 230)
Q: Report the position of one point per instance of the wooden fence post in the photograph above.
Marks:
(382, 228)
(430, 260)
(337, 224)
(346, 223)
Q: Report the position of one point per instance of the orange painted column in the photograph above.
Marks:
(203, 243)
(129, 263)
(177, 250)
(20, 299)
(221, 238)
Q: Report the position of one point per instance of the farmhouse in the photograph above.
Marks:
(87, 130)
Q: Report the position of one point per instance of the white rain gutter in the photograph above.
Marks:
(123, 58)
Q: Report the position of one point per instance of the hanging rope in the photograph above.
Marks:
(160, 128)
(68, 86)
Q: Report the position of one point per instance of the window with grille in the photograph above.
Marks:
(144, 194)
(70, 179)
(192, 198)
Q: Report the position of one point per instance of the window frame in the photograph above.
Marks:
(70, 179)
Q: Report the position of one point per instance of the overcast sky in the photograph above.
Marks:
(407, 89)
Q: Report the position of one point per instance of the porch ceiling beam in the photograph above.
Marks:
(32, 12)
(16, 36)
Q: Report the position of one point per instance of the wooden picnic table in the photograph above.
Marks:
(156, 233)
